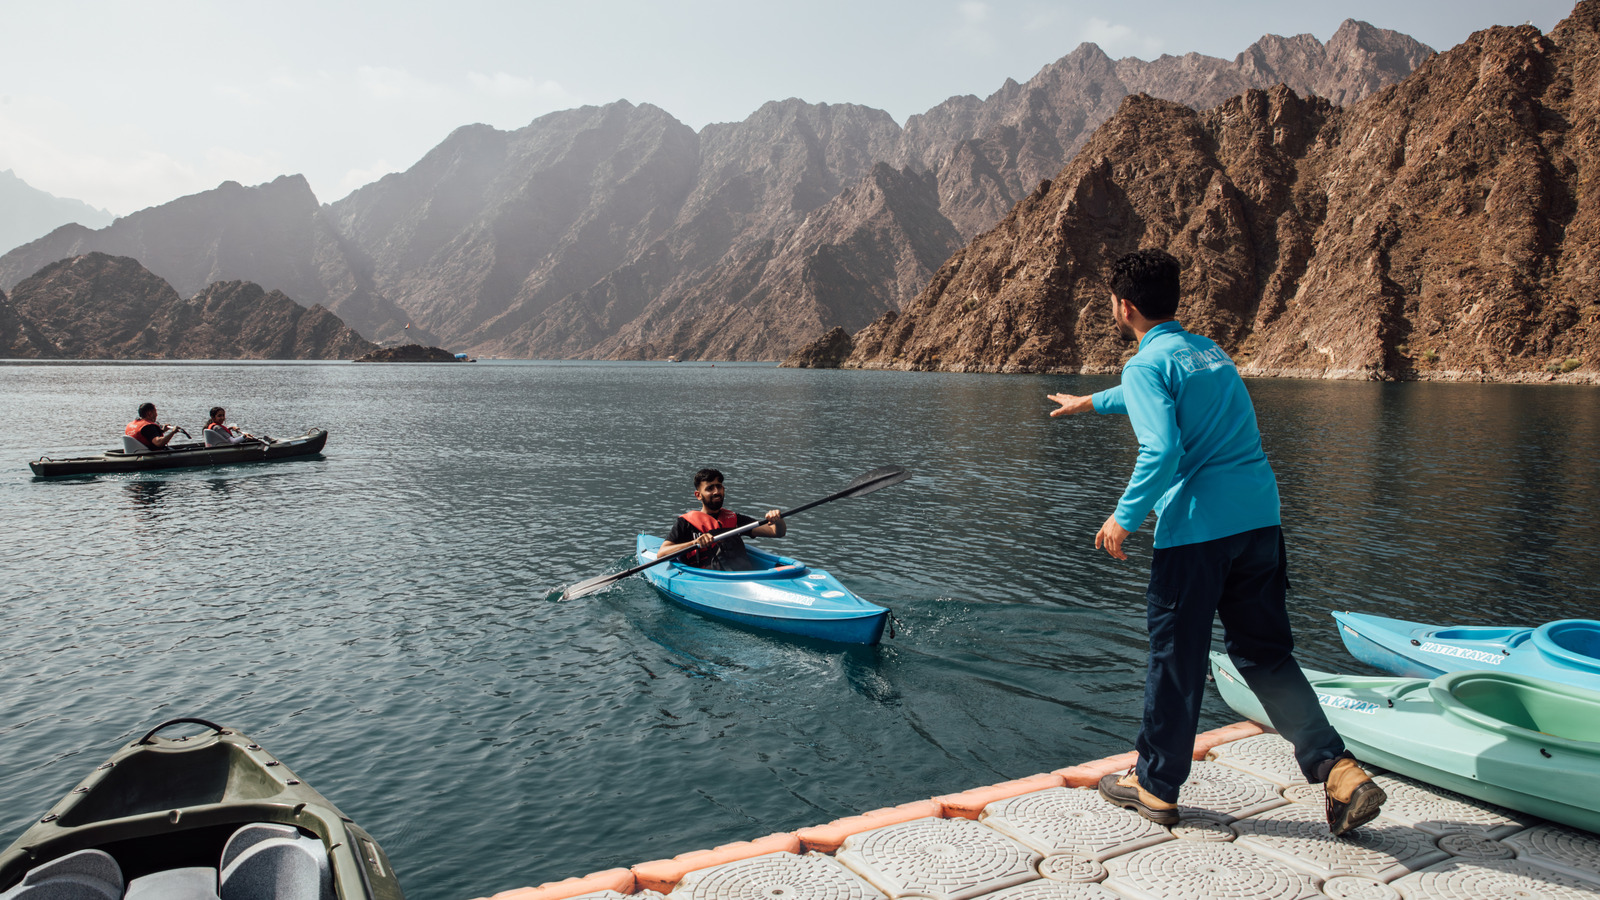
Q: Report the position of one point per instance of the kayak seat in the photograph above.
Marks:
(253, 834)
(215, 438)
(274, 862)
(84, 875)
(132, 445)
(193, 883)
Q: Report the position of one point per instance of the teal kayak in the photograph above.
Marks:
(782, 595)
(1524, 743)
(1567, 650)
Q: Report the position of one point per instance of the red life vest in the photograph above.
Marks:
(704, 523)
(135, 427)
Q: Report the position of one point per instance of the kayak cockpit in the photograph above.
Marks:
(258, 861)
(768, 567)
(1570, 642)
(1528, 709)
(211, 816)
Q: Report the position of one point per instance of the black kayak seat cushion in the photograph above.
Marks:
(275, 866)
(193, 883)
(84, 875)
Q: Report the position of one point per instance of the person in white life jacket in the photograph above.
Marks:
(698, 528)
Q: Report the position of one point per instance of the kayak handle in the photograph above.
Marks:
(152, 733)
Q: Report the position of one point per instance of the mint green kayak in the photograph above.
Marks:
(1521, 742)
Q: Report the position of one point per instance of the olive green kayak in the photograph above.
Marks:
(201, 816)
(1521, 742)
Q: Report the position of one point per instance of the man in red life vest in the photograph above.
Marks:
(698, 526)
(147, 431)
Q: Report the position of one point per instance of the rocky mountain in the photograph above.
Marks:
(27, 213)
(617, 232)
(990, 154)
(274, 234)
(109, 307)
(19, 337)
(1441, 228)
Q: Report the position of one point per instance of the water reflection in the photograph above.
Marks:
(145, 498)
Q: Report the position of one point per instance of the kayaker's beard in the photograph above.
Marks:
(712, 504)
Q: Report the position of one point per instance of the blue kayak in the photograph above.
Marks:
(782, 595)
(1567, 651)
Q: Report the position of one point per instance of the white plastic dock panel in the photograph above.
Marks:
(1202, 828)
(1577, 853)
(1297, 834)
(1074, 867)
(1475, 846)
(944, 859)
(1072, 820)
(776, 876)
(1462, 879)
(1440, 812)
(1219, 792)
(1358, 887)
(1185, 870)
(1266, 756)
(1055, 890)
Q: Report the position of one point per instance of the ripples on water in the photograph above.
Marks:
(380, 618)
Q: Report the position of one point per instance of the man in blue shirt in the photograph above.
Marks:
(1218, 551)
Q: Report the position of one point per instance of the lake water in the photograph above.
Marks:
(382, 620)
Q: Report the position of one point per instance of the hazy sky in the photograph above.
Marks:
(130, 104)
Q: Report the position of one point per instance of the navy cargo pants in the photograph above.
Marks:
(1242, 579)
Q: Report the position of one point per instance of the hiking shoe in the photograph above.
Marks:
(1353, 797)
(1124, 791)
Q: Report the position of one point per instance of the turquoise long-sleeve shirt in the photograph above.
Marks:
(1201, 467)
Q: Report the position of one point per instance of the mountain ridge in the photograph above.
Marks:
(1435, 230)
(616, 231)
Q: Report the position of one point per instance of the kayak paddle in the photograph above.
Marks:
(862, 486)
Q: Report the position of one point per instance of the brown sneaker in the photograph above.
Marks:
(1353, 797)
(1124, 791)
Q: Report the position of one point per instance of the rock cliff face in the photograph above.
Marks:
(273, 234)
(20, 338)
(618, 232)
(991, 154)
(107, 307)
(1442, 228)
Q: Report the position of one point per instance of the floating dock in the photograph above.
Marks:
(1251, 828)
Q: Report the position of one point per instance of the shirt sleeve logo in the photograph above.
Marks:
(1202, 360)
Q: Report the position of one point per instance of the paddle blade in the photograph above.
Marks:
(877, 478)
(593, 585)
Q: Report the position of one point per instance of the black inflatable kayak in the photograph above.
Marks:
(177, 456)
(205, 816)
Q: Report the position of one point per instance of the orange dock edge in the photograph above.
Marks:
(663, 874)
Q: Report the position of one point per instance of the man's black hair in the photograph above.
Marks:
(1148, 279)
(705, 475)
(146, 409)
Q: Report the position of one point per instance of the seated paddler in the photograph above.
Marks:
(698, 527)
(147, 431)
(218, 431)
